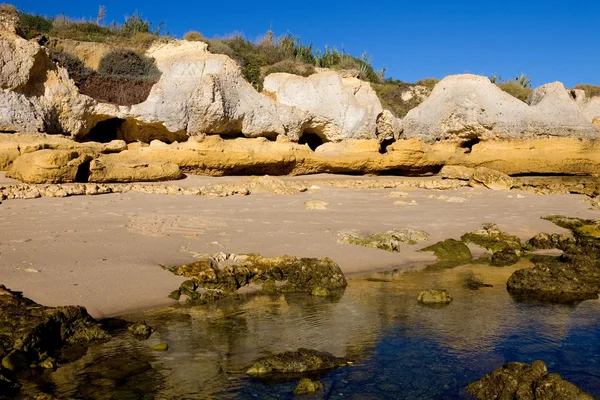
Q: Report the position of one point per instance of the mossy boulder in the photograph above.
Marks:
(32, 334)
(388, 241)
(505, 257)
(307, 387)
(490, 237)
(140, 330)
(523, 381)
(450, 250)
(574, 276)
(435, 296)
(293, 362)
(220, 275)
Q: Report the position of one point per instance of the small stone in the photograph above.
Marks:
(175, 295)
(306, 387)
(434, 297)
(397, 195)
(141, 330)
(316, 205)
(504, 258)
(48, 363)
(405, 203)
(160, 347)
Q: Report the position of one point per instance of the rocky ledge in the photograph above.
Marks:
(574, 276)
(32, 336)
(523, 381)
(220, 275)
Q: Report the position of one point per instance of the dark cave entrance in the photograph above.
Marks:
(384, 144)
(468, 145)
(105, 131)
(311, 139)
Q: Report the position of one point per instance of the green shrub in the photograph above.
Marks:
(128, 64)
(116, 90)
(428, 82)
(85, 31)
(590, 90)
(74, 66)
(194, 36)
(291, 67)
(31, 25)
(136, 24)
(390, 95)
(515, 89)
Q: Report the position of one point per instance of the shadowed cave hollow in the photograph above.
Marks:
(313, 140)
(105, 131)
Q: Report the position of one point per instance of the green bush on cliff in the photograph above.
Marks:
(75, 67)
(31, 25)
(590, 90)
(515, 89)
(128, 64)
(194, 36)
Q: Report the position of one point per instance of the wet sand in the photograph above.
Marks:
(104, 252)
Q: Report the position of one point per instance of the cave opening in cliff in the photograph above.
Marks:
(105, 131)
(468, 145)
(83, 173)
(311, 139)
(384, 144)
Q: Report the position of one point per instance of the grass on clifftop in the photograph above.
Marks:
(590, 90)
(391, 91)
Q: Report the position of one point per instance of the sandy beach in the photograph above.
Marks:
(105, 252)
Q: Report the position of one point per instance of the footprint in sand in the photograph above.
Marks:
(166, 225)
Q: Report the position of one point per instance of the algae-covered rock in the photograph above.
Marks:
(450, 250)
(574, 276)
(222, 274)
(307, 387)
(30, 333)
(505, 257)
(389, 241)
(435, 296)
(290, 362)
(492, 238)
(140, 330)
(160, 347)
(523, 381)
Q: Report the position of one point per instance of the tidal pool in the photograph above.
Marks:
(401, 349)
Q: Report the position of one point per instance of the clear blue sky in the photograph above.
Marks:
(548, 40)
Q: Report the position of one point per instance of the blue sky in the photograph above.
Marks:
(548, 40)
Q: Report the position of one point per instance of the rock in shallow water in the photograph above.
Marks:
(307, 387)
(435, 296)
(523, 381)
(222, 274)
(290, 362)
(450, 250)
(389, 241)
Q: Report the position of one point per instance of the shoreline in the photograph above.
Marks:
(123, 238)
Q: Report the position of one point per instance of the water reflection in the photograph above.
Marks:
(402, 349)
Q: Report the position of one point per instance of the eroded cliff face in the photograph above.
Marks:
(211, 121)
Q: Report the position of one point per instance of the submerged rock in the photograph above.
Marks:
(290, 362)
(389, 241)
(141, 330)
(31, 334)
(574, 276)
(523, 381)
(307, 387)
(505, 257)
(222, 274)
(450, 250)
(435, 296)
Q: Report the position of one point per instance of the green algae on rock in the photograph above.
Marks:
(32, 334)
(572, 277)
(517, 380)
(435, 296)
(388, 241)
(506, 249)
(450, 250)
(221, 275)
(307, 387)
(293, 362)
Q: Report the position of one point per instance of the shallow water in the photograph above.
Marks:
(401, 349)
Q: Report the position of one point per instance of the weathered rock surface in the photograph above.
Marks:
(201, 93)
(389, 241)
(457, 172)
(339, 108)
(104, 170)
(294, 362)
(33, 335)
(574, 276)
(467, 107)
(450, 250)
(51, 166)
(36, 95)
(523, 381)
(490, 237)
(222, 274)
(434, 296)
(491, 179)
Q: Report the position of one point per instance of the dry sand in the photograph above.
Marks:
(104, 252)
